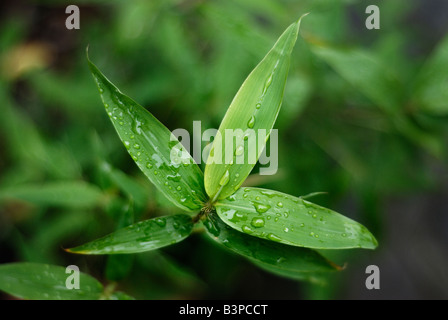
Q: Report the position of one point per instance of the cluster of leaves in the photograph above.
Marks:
(60, 185)
(263, 213)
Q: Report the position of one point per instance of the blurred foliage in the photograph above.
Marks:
(364, 119)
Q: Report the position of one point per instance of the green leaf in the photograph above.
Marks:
(118, 266)
(45, 282)
(286, 219)
(287, 259)
(431, 90)
(313, 277)
(371, 76)
(142, 236)
(363, 71)
(255, 107)
(63, 193)
(128, 185)
(151, 145)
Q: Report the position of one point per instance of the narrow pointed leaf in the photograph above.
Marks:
(152, 146)
(286, 219)
(274, 255)
(313, 277)
(365, 72)
(45, 282)
(77, 194)
(140, 237)
(370, 75)
(254, 110)
(118, 266)
(431, 88)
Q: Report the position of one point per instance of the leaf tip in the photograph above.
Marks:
(72, 250)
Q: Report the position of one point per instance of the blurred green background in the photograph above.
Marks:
(364, 118)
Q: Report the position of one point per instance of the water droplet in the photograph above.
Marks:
(268, 82)
(237, 175)
(225, 178)
(137, 126)
(166, 183)
(155, 172)
(286, 229)
(121, 123)
(132, 136)
(251, 122)
(176, 178)
(311, 233)
(280, 205)
(307, 204)
(247, 230)
(137, 146)
(239, 151)
(261, 208)
(314, 215)
(280, 260)
(149, 165)
(160, 222)
(106, 105)
(245, 195)
(179, 188)
(257, 222)
(258, 105)
(344, 235)
(270, 194)
(127, 144)
(273, 237)
(101, 90)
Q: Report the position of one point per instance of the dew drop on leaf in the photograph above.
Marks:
(273, 237)
(225, 178)
(257, 222)
(247, 229)
(261, 208)
(251, 122)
